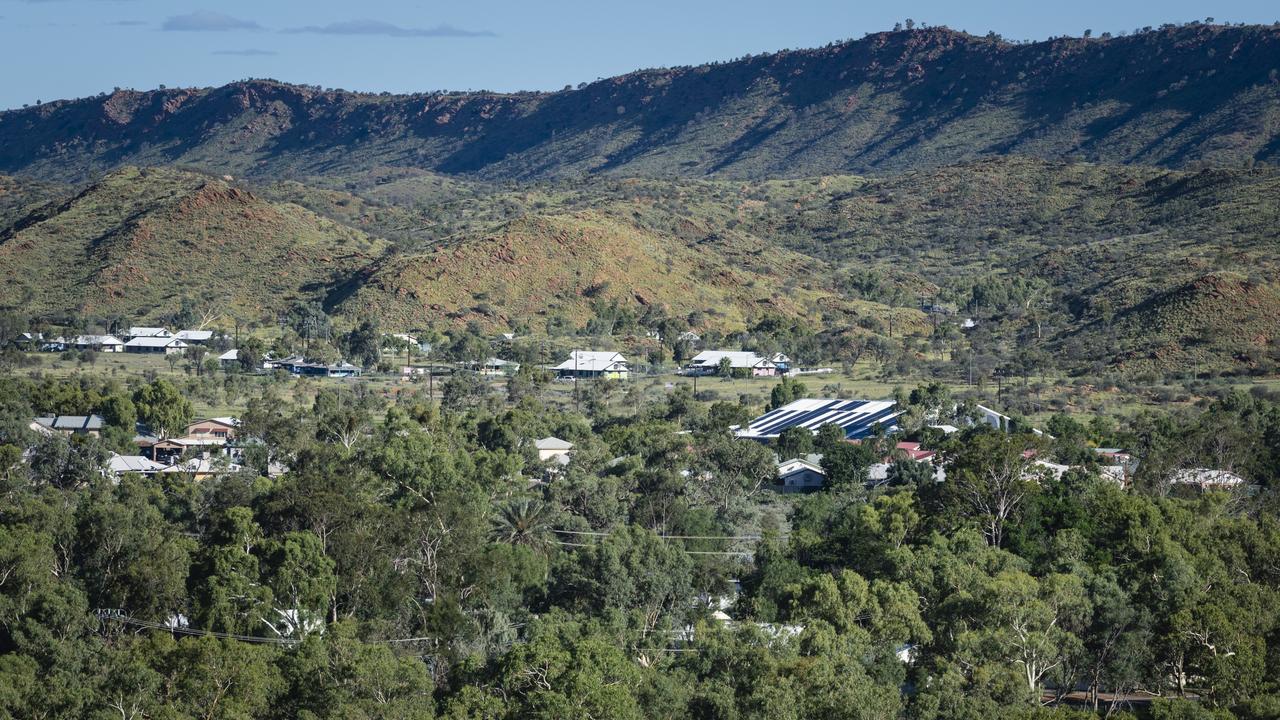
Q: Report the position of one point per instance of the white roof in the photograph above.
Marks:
(552, 443)
(737, 359)
(232, 354)
(149, 332)
(194, 334)
(152, 341)
(796, 465)
(119, 464)
(592, 361)
(946, 429)
(97, 340)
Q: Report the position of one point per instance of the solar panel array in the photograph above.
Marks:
(859, 418)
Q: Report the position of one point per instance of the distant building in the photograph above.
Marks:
(222, 428)
(858, 418)
(29, 341)
(797, 475)
(708, 362)
(73, 424)
(553, 449)
(229, 359)
(101, 343)
(194, 337)
(156, 345)
(496, 367)
(119, 465)
(296, 365)
(149, 332)
(592, 364)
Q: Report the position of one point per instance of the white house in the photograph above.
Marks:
(152, 344)
(553, 448)
(797, 474)
(229, 359)
(708, 362)
(591, 364)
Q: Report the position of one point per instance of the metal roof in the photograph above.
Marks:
(858, 418)
(72, 422)
(592, 361)
(737, 359)
(153, 341)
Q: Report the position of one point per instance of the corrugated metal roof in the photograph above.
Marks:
(858, 418)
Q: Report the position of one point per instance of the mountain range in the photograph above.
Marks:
(890, 101)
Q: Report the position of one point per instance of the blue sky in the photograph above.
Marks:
(69, 48)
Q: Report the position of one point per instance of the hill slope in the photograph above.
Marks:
(141, 241)
(890, 101)
(569, 266)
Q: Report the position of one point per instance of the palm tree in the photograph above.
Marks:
(523, 522)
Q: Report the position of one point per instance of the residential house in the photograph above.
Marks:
(119, 465)
(151, 332)
(708, 362)
(101, 343)
(73, 424)
(553, 449)
(29, 341)
(592, 364)
(781, 362)
(798, 474)
(220, 428)
(497, 367)
(229, 359)
(858, 418)
(296, 365)
(194, 337)
(156, 345)
(54, 344)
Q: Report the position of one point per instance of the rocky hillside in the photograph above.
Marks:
(890, 101)
(140, 242)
